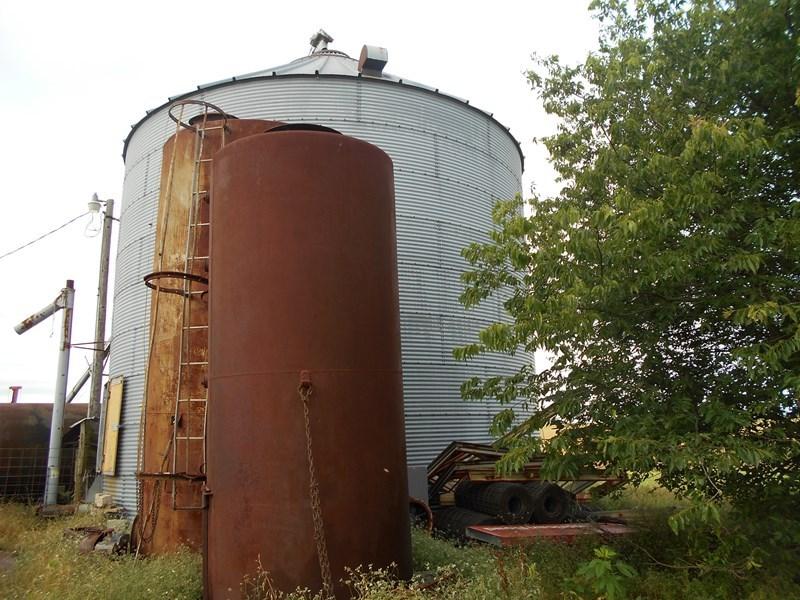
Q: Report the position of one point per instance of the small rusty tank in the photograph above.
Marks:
(304, 317)
(172, 462)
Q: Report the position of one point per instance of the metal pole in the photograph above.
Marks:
(65, 301)
(79, 385)
(85, 377)
(14, 392)
(39, 316)
(93, 409)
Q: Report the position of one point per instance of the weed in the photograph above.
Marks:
(47, 565)
(605, 576)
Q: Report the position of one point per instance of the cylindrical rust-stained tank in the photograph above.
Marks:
(172, 468)
(304, 288)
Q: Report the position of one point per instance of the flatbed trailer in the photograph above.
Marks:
(465, 463)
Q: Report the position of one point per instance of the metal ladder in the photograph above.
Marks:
(189, 420)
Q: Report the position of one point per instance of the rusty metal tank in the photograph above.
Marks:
(304, 296)
(172, 461)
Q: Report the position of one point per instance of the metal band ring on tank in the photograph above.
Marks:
(151, 279)
(206, 106)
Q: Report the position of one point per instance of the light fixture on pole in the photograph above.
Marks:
(95, 224)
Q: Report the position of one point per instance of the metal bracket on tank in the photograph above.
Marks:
(305, 381)
(152, 279)
(205, 113)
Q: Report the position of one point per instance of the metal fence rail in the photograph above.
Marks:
(23, 472)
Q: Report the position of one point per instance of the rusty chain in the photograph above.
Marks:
(316, 507)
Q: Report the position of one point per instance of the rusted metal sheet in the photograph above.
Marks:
(304, 284)
(27, 425)
(24, 440)
(162, 524)
(420, 514)
(518, 535)
(92, 535)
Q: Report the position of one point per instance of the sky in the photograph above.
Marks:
(74, 77)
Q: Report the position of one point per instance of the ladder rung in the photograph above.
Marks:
(189, 437)
(197, 258)
(199, 224)
(196, 327)
(192, 400)
(193, 363)
(204, 160)
(198, 192)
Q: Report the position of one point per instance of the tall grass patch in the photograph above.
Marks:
(47, 564)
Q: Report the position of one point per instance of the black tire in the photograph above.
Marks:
(464, 489)
(551, 504)
(509, 502)
(454, 521)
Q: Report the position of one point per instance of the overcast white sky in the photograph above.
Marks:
(74, 76)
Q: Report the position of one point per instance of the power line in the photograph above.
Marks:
(41, 237)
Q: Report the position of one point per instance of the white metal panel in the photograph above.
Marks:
(452, 163)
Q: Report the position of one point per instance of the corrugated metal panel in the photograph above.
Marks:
(130, 324)
(451, 164)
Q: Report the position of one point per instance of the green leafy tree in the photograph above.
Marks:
(664, 278)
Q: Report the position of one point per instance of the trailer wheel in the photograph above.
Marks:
(453, 521)
(509, 502)
(551, 504)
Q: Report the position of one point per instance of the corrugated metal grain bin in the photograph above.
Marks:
(452, 161)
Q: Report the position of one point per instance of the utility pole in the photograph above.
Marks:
(100, 321)
(65, 301)
(88, 433)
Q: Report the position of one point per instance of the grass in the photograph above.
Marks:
(654, 563)
(648, 496)
(47, 564)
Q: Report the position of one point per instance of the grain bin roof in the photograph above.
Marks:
(323, 63)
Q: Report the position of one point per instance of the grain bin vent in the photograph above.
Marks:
(372, 60)
(320, 40)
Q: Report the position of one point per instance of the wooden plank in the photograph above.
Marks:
(111, 427)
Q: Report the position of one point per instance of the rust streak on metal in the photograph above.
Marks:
(168, 529)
